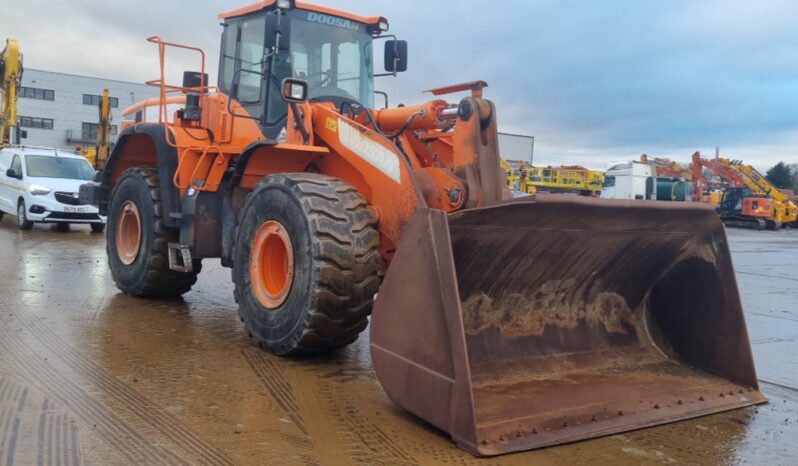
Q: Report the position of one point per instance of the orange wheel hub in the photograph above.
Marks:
(128, 233)
(271, 265)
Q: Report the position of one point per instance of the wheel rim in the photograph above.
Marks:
(271, 265)
(128, 233)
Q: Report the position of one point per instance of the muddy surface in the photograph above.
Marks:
(90, 376)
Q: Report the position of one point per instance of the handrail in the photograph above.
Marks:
(182, 157)
(167, 88)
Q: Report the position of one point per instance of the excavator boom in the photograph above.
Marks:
(752, 201)
(11, 75)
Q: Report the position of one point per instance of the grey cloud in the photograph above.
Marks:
(593, 81)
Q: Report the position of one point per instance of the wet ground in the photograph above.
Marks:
(90, 376)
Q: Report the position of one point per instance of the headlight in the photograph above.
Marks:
(37, 190)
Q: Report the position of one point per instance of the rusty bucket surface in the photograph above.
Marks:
(556, 318)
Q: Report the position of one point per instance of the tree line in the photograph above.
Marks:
(783, 176)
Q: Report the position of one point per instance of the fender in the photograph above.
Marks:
(229, 214)
(144, 145)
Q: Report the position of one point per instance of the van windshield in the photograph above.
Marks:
(45, 166)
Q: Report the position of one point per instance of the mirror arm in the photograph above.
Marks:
(384, 94)
(299, 122)
(395, 57)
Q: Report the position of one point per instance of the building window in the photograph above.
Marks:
(89, 131)
(94, 100)
(36, 93)
(33, 122)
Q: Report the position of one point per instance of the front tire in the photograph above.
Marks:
(137, 242)
(97, 227)
(306, 263)
(22, 219)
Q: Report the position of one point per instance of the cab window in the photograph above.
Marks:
(250, 58)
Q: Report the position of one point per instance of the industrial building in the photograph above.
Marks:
(517, 147)
(61, 110)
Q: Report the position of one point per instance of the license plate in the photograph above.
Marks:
(78, 210)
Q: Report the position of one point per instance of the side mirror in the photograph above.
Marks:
(23, 134)
(11, 173)
(395, 56)
(98, 176)
(294, 90)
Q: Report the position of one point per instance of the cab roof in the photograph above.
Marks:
(263, 4)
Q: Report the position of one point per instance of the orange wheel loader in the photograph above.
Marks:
(509, 324)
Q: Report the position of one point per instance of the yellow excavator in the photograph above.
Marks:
(98, 155)
(11, 73)
(784, 210)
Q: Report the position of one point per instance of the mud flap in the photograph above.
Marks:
(552, 319)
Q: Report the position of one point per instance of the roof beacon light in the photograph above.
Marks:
(284, 4)
(383, 25)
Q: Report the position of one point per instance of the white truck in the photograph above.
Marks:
(629, 180)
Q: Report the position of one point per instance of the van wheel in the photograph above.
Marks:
(306, 263)
(97, 227)
(62, 226)
(137, 242)
(22, 220)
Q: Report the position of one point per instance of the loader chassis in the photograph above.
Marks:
(494, 318)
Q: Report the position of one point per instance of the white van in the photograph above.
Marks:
(629, 180)
(41, 185)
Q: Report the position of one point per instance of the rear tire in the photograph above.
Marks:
(325, 250)
(62, 226)
(97, 227)
(22, 219)
(137, 246)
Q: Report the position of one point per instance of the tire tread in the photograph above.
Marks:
(159, 280)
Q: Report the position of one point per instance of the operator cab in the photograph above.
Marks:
(328, 49)
(732, 199)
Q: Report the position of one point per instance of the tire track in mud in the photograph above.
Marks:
(61, 447)
(12, 401)
(366, 443)
(136, 403)
(167, 426)
(372, 445)
(111, 428)
(278, 387)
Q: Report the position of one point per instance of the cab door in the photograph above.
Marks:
(5, 183)
(16, 186)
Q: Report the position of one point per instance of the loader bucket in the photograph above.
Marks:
(553, 319)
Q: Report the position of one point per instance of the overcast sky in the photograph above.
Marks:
(593, 81)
